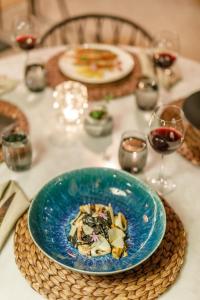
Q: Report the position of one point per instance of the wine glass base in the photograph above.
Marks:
(162, 186)
(60, 136)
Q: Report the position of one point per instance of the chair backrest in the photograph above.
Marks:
(96, 28)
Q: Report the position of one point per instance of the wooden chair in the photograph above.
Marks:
(96, 28)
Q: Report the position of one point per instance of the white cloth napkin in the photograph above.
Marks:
(13, 203)
(7, 84)
(148, 69)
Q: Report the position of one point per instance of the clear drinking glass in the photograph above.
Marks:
(17, 150)
(132, 151)
(166, 134)
(35, 74)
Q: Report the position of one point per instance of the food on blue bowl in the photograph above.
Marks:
(97, 231)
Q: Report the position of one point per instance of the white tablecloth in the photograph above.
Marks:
(83, 151)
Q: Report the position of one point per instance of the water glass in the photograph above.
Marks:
(17, 150)
(133, 151)
(147, 93)
(35, 77)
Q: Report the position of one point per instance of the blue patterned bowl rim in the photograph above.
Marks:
(141, 183)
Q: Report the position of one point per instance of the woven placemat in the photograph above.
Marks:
(111, 90)
(190, 148)
(12, 111)
(145, 282)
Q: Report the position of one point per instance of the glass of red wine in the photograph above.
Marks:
(166, 134)
(165, 53)
(25, 33)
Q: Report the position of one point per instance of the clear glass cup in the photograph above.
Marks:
(147, 93)
(166, 134)
(35, 74)
(17, 150)
(133, 151)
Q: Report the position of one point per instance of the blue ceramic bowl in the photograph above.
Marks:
(58, 202)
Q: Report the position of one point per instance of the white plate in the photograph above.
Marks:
(67, 67)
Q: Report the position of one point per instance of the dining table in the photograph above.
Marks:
(80, 150)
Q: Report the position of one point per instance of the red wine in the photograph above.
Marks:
(164, 60)
(165, 140)
(26, 41)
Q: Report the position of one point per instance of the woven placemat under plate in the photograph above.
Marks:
(190, 148)
(145, 282)
(110, 90)
(12, 111)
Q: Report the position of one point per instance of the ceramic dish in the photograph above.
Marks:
(68, 68)
(191, 108)
(58, 203)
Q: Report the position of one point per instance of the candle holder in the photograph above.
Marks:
(98, 122)
(70, 104)
(133, 151)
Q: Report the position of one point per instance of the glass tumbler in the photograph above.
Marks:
(147, 93)
(133, 151)
(17, 150)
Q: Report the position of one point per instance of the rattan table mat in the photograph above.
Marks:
(10, 110)
(190, 148)
(110, 90)
(145, 282)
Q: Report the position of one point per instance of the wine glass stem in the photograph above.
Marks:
(26, 58)
(161, 176)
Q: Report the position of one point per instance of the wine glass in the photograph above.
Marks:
(165, 53)
(166, 134)
(25, 33)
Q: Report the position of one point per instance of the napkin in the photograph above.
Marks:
(168, 79)
(7, 84)
(13, 203)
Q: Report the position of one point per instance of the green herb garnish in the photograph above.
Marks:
(97, 114)
(83, 58)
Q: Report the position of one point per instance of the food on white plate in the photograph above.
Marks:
(97, 231)
(93, 63)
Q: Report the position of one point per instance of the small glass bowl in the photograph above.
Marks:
(98, 122)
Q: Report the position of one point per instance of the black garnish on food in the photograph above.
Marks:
(92, 207)
(89, 220)
(73, 239)
(86, 238)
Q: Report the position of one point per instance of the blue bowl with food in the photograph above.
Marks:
(97, 221)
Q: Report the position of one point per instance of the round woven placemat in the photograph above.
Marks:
(12, 111)
(145, 282)
(190, 148)
(111, 90)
